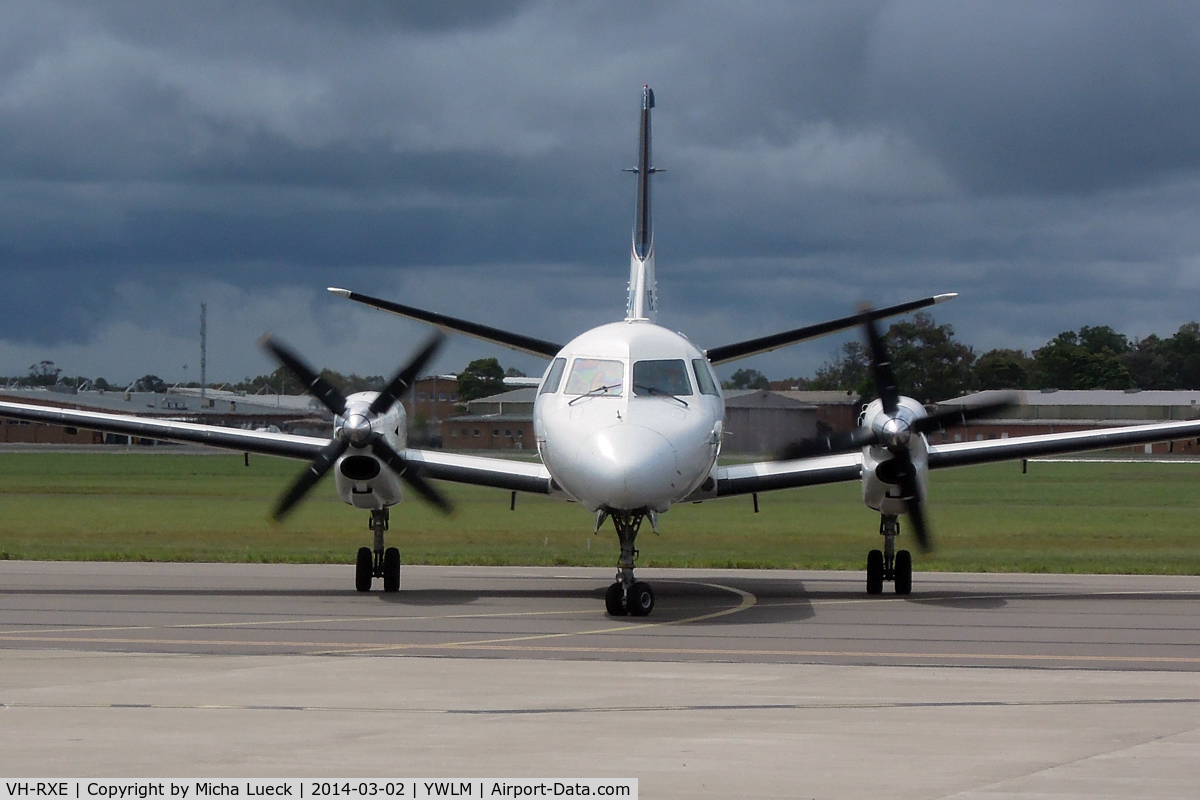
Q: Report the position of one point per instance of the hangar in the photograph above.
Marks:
(1063, 410)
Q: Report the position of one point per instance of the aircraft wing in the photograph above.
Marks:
(260, 442)
(514, 341)
(764, 476)
(961, 454)
(732, 352)
(475, 470)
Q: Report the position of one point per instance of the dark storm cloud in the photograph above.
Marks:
(1039, 158)
(1045, 97)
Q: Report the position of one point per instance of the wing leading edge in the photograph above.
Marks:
(752, 347)
(473, 470)
(764, 476)
(515, 341)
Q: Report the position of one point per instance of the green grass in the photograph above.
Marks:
(1135, 517)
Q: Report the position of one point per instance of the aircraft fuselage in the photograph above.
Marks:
(629, 417)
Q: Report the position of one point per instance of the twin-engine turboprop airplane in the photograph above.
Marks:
(629, 421)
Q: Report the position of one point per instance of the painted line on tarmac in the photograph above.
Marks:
(1042, 657)
(747, 600)
(312, 621)
(352, 648)
(916, 704)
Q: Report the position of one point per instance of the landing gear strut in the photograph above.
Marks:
(889, 564)
(378, 562)
(628, 596)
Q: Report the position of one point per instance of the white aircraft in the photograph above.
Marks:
(628, 421)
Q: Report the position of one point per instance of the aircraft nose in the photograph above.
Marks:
(630, 467)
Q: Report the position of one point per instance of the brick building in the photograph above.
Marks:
(500, 422)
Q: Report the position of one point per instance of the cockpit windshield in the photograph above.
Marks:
(667, 377)
(594, 376)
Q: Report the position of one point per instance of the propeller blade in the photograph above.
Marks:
(911, 491)
(407, 374)
(314, 384)
(939, 420)
(325, 459)
(384, 452)
(827, 444)
(881, 363)
(916, 517)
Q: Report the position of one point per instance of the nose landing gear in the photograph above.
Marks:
(889, 564)
(627, 595)
(378, 562)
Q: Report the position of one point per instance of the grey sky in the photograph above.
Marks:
(1041, 159)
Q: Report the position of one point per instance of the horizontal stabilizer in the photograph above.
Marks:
(765, 344)
(514, 341)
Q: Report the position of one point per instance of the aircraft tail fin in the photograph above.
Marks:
(643, 288)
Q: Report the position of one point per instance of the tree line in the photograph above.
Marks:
(931, 365)
(929, 362)
(481, 378)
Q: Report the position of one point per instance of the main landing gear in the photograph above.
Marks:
(379, 562)
(628, 596)
(888, 564)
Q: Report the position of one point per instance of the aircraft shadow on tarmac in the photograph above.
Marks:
(701, 603)
(677, 601)
(692, 602)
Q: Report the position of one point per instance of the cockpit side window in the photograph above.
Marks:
(704, 378)
(666, 377)
(596, 376)
(553, 377)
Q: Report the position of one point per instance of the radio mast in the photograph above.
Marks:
(203, 352)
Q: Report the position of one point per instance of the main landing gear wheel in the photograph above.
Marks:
(903, 570)
(391, 570)
(364, 569)
(614, 600)
(875, 572)
(640, 599)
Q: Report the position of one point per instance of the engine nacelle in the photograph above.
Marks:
(880, 473)
(362, 480)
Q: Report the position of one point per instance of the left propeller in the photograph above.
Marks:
(356, 429)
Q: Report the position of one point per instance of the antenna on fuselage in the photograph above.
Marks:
(643, 289)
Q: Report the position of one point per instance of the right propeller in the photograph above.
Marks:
(357, 428)
(894, 429)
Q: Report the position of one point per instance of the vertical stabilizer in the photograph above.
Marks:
(643, 290)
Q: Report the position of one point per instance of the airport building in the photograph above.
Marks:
(500, 422)
(430, 400)
(294, 414)
(1061, 411)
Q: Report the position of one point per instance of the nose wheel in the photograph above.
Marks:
(378, 562)
(889, 564)
(636, 600)
(628, 596)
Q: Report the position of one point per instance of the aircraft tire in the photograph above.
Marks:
(614, 603)
(903, 572)
(391, 570)
(875, 572)
(641, 599)
(364, 566)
